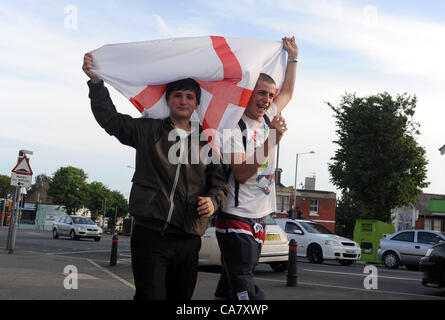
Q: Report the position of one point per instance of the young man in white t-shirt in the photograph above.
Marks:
(240, 229)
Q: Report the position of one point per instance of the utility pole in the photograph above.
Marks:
(103, 214)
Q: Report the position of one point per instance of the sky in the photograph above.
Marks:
(362, 47)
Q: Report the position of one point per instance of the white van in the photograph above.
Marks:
(317, 243)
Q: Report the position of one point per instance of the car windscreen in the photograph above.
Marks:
(82, 220)
(270, 220)
(315, 228)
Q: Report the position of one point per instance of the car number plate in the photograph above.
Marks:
(273, 237)
(350, 251)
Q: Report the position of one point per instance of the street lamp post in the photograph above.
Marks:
(295, 183)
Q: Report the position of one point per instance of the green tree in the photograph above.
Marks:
(116, 199)
(346, 213)
(6, 190)
(379, 165)
(96, 193)
(68, 188)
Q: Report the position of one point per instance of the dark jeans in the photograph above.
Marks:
(165, 266)
(240, 253)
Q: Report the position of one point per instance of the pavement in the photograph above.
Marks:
(40, 273)
(28, 275)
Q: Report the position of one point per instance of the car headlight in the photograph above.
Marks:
(332, 243)
(428, 253)
(80, 229)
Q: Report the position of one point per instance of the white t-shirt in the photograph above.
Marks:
(256, 197)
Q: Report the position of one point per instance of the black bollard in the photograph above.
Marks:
(292, 264)
(113, 257)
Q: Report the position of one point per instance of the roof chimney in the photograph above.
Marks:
(278, 175)
(309, 183)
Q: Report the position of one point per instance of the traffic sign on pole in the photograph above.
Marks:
(20, 180)
(21, 177)
(23, 167)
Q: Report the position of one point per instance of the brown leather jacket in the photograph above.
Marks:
(156, 181)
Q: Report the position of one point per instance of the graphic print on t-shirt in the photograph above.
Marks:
(266, 176)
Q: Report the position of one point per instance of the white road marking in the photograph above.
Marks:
(125, 282)
(361, 275)
(357, 289)
(76, 252)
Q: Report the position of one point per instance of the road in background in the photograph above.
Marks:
(39, 261)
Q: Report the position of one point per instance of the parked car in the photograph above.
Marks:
(317, 243)
(407, 247)
(433, 266)
(76, 227)
(275, 250)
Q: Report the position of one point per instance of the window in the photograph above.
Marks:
(291, 228)
(437, 225)
(82, 220)
(404, 236)
(428, 238)
(314, 208)
(270, 220)
(286, 203)
(280, 203)
(312, 227)
(428, 224)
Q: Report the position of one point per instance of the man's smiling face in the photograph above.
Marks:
(261, 100)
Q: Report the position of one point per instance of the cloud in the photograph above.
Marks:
(394, 45)
(186, 28)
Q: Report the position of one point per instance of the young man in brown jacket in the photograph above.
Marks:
(170, 202)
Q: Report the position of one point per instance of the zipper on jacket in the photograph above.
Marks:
(175, 183)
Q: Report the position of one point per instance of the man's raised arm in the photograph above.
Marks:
(287, 89)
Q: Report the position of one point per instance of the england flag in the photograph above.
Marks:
(227, 70)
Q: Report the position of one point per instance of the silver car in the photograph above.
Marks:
(407, 247)
(76, 227)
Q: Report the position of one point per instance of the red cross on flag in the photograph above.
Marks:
(227, 70)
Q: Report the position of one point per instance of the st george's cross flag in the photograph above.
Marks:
(227, 70)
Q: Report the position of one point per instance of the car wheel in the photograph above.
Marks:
(279, 266)
(97, 239)
(391, 260)
(346, 262)
(55, 234)
(315, 253)
(73, 235)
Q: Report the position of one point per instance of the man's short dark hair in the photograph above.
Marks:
(266, 78)
(184, 84)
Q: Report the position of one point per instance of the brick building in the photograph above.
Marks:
(315, 205)
(428, 213)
